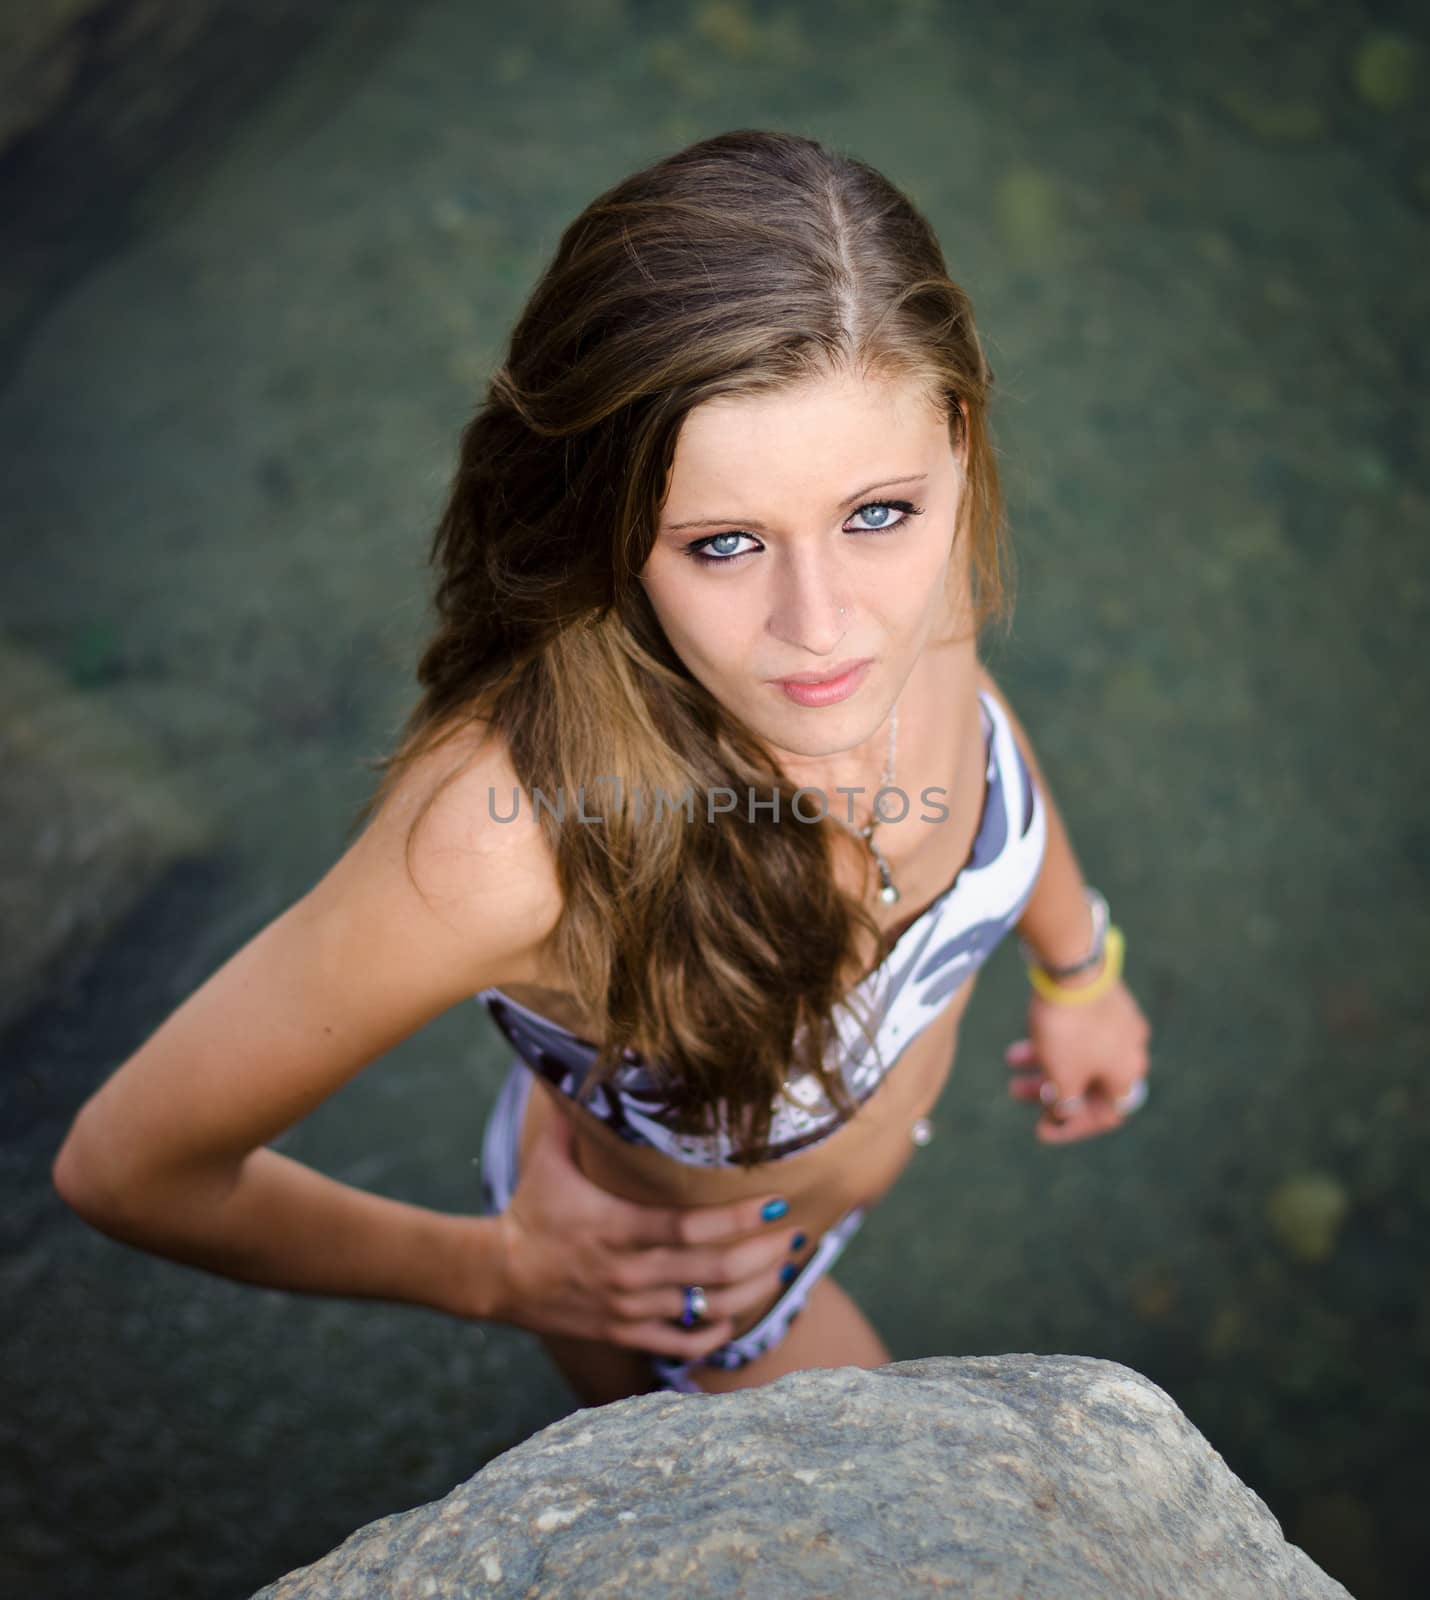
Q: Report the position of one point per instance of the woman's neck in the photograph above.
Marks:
(923, 707)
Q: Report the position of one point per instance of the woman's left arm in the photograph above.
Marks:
(1091, 1054)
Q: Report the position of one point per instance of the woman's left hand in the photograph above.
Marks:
(1091, 1055)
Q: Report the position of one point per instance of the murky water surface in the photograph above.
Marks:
(1196, 244)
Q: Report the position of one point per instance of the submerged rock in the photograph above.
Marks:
(990, 1476)
(1385, 70)
(1306, 1213)
(91, 817)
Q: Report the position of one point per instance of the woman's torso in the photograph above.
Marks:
(857, 1162)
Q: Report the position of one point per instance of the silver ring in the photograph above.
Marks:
(694, 1306)
(1048, 1094)
(1134, 1097)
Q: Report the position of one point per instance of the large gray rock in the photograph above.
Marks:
(987, 1476)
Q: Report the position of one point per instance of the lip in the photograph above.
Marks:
(807, 690)
(811, 678)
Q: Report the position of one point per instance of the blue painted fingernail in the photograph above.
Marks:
(773, 1209)
(789, 1272)
(797, 1243)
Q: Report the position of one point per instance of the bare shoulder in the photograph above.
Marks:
(446, 854)
(1020, 733)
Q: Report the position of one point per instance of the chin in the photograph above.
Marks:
(828, 738)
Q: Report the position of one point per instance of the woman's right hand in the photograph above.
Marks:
(580, 1261)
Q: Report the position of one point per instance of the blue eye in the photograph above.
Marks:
(724, 556)
(697, 550)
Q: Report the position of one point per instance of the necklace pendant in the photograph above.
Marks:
(887, 892)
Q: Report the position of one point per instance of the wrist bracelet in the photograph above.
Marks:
(1109, 975)
(1100, 919)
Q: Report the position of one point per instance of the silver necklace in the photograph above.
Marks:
(888, 892)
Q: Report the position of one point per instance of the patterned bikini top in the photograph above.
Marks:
(928, 961)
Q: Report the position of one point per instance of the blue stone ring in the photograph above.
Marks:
(694, 1306)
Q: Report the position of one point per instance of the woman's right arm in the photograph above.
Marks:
(169, 1154)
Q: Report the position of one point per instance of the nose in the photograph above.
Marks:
(810, 607)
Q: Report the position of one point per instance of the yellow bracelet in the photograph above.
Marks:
(1111, 971)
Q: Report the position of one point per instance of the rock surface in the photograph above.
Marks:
(991, 1476)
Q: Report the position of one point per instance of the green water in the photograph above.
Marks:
(1196, 244)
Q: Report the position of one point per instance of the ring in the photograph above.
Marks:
(1048, 1094)
(694, 1306)
(1134, 1097)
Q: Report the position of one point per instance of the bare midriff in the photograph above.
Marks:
(855, 1165)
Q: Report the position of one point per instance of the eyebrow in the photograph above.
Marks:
(758, 527)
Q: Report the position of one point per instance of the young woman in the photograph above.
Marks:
(716, 556)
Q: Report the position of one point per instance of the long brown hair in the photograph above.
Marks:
(744, 263)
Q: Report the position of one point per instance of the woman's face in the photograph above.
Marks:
(826, 517)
